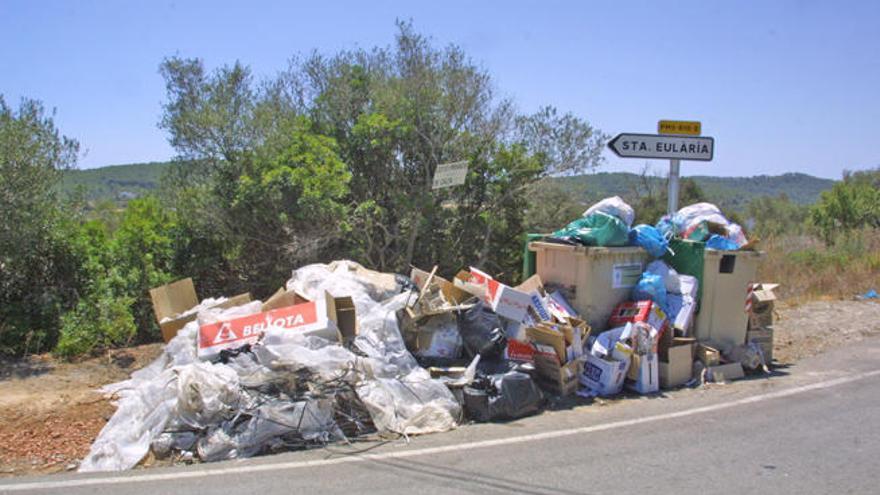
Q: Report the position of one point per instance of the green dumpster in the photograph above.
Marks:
(529, 260)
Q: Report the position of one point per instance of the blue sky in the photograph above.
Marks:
(783, 86)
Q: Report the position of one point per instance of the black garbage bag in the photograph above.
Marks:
(482, 332)
(503, 396)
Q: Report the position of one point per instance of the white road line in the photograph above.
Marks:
(210, 472)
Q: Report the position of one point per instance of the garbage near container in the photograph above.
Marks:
(681, 295)
(176, 304)
(558, 354)
(502, 396)
(288, 389)
(643, 374)
(676, 364)
(760, 305)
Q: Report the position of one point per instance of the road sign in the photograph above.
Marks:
(450, 174)
(664, 147)
(681, 127)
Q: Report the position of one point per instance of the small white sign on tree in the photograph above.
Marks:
(450, 174)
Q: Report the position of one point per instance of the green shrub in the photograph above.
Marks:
(99, 321)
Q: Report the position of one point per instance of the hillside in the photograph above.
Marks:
(728, 192)
(121, 182)
(118, 182)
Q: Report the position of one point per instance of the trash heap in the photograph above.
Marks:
(343, 353)
(670, 315)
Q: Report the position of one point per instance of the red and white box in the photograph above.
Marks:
(315, 318)
(639, 311)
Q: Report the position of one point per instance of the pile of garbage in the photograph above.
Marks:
(228, 387)
(609, 222)
(342, 353)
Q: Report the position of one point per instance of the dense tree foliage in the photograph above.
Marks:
(851, 204)
(336, 155)
(39, 268)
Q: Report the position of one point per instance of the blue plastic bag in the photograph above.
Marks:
(721, 243)
(653, 287)
(650, 239)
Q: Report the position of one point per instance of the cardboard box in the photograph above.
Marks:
(179, 297)
(566, 339)
(709, 356)
(764, 338)
(762, 303)
(643, 375)
(451, 293)
(318, 318)
(283, 298)
(504, 300)
(603, 376)
(677, 369)
(725, 372)
(558, 379)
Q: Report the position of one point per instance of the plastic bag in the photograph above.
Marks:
(482, 332)
(615, 207)
(503, 396)
(721, 243)
(653, 287)
(649, 239)
(596, 229)
(141, 416)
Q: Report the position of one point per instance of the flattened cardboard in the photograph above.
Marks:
(177, 297)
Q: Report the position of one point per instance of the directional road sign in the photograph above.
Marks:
(665, 147)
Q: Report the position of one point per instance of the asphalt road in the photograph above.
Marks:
(813, 428)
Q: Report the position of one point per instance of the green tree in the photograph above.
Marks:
(141, 256)
(40, 273)
(775, 216)
(853, 203)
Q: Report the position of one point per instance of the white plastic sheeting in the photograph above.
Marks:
(227, 408)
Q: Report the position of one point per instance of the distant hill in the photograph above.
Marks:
(118, 182)
(727, 192)
(122, 182)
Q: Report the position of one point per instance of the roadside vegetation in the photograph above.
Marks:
(333, 158)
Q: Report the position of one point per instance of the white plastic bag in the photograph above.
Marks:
(614, 206)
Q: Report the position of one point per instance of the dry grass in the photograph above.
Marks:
(810, 270)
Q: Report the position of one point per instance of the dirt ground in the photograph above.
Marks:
(50, 412)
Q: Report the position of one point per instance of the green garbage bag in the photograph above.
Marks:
(596, 229)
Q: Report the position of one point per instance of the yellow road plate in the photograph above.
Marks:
(679, 127)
